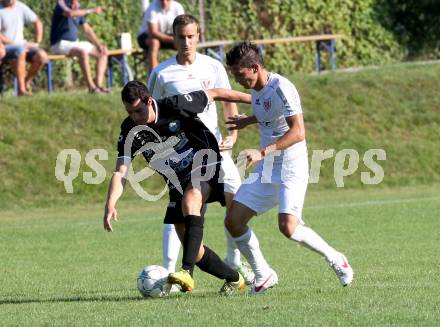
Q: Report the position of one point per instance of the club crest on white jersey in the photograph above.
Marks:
(267, 104)
(206, 84)
(271, 105)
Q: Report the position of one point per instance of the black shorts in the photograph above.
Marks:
(174, 214)
(142, 40)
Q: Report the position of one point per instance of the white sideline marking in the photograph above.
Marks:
(371, 203)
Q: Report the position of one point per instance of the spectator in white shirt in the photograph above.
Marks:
(156, 30)
(14, 15)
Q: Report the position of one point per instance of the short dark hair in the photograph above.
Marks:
(183, 20)
(134, 90)
(244, 54)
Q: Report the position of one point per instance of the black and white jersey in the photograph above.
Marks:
(177, 144)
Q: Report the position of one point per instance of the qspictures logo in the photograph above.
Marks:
(166, 158)
(163, 157)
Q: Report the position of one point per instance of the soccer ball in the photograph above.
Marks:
(152, 281)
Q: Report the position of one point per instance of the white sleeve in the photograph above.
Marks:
(180, 10)
(155, 85)
(222, 80)
(290, 99)
(151, 16)
(28, 15)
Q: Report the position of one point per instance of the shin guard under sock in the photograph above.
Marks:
(213, 265)
(192, 240)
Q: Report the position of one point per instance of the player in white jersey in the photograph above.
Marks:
(281, 174)
(191, 71)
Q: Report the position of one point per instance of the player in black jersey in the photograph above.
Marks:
(181, 148)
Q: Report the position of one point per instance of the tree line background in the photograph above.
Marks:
(376, 31)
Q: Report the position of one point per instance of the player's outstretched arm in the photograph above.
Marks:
(228, 95)
(115, 190)
(240, 121)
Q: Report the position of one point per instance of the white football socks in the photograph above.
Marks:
(250, 248)
(232, 252)
(309, 238)
(170, 247)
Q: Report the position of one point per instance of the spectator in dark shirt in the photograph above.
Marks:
(66, 19)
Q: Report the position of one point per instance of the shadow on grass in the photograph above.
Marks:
(108, 298)
(73, 299)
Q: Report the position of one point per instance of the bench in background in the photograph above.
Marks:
(116, 57)
(323, 42)
(119, 57)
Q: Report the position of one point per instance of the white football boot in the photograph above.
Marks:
(246, 271)
(342, 269)
(262, 285)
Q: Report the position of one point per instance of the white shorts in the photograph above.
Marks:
(229, 174)
(287, 188)
(64, 47)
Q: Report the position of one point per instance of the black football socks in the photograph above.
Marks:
(213, 265)
(192, 239)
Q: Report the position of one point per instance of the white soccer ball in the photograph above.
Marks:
(152, 281)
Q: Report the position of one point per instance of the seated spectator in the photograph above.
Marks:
(66, 19)
(14, 15)
(156, 30)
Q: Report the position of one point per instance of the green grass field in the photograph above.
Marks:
(59, 267)
(392, 108)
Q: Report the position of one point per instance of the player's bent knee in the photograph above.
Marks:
(234, 226)
(191, 207)
(288, 226)
(192, 201)
(228, 223)
(286, 231)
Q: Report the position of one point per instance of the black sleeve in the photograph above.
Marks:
(187, 104)
(126, 137)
